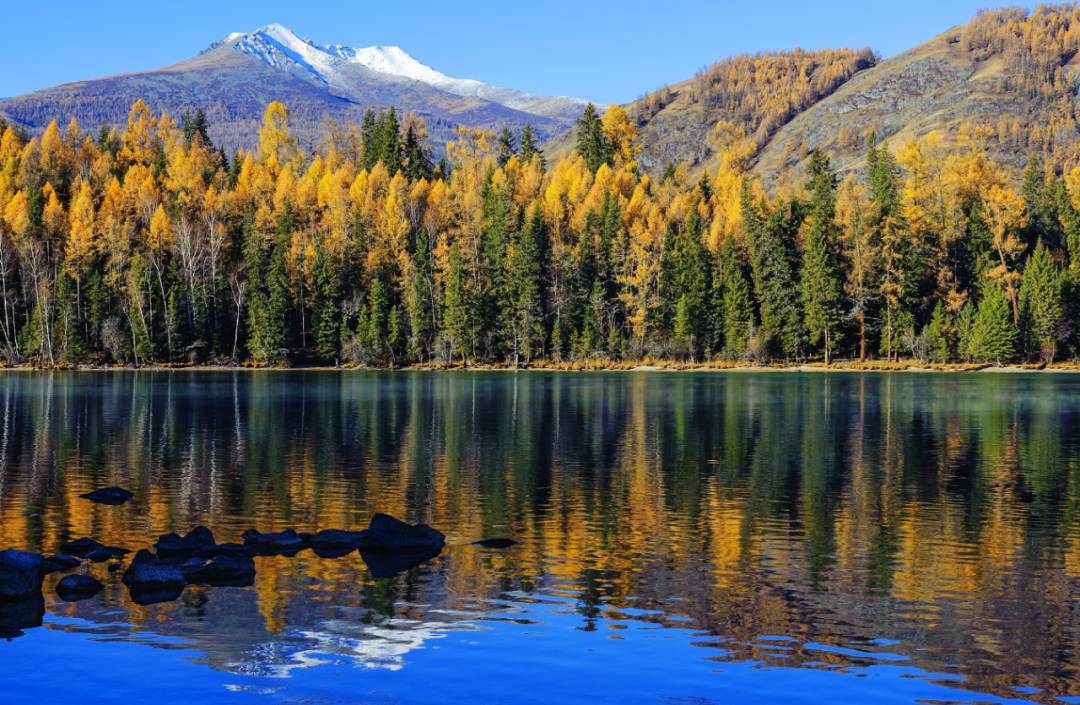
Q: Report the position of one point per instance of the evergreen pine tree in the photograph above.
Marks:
(325, 308)
(1040, 305)
(507, 146)
(378, 305)
(390, 143)
(592, 143)
(738, 306)
(523, 315)
(820, 282)
(371, 139)
(421, 300)
(529, 145)
(419, 164)
(993, 335)
(456, 306)
(939, 338)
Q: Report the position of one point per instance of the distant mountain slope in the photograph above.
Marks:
(1010, 70)
(234, 80)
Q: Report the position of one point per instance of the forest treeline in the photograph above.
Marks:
(145, 244)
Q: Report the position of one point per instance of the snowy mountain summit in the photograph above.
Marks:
(334, 65)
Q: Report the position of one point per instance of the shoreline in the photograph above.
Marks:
(651, 366)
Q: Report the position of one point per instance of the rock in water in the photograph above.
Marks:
(496, 543)
(232, 550)
(286, 542)
(150, 581)
(78, 587)
(390, 535)
(387, 565)
(26, 613)
(21, 574)
(220, 572)
(109, 495)
(80, 548)
(334, 543)
(173, 546)
(58, 563)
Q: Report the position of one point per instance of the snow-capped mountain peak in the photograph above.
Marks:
(280, 48)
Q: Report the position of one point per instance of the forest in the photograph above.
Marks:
(148, 245)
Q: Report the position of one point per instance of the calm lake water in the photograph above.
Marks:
(686, 538)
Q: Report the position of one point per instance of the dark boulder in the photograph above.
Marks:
(232, 550)
(78, 587)
(386, 565)
(81, 547)
(286, 542)
(496, 543)
(220, 572)
(16, 616)
(21, 574)
(99, 556)
(175, 546)
(58, 563)
(109, 495)
(334, 543)
(150, 581)
(389, 535)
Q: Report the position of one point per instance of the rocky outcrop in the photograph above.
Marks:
(194, 543)
(58, 563)
(114, 496)
(21, 574)
(150, 581)
(495, 543)
(286, 542)
(385, 534)
(220, 572)
(74, 588)
(82, 548)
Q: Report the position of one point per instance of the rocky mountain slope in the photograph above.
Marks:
(1010, 70)
(234, 79)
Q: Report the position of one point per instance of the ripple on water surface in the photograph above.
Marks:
(685, 538)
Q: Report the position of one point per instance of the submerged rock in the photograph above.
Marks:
(59, 562)
(109, 495)
(220, 572)
(81, 547)
(21, 574)
(18, 615)
(150, 581)
(387, 565)
(232, 550)
(495, 543)
(99, 556)
(286, 542)
(175, 546)
(389, 535)
(335, 543)
(74, 588)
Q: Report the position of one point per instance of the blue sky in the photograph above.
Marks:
(608, 52)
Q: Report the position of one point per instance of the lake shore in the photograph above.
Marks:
(580, 366)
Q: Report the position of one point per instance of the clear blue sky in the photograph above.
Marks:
(608, 52)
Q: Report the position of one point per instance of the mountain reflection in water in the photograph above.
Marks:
(834, 522)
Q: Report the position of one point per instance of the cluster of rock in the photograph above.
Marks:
(388, 546)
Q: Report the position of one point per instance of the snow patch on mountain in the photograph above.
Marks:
(278, 47)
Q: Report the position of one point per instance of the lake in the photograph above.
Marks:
(689, 538)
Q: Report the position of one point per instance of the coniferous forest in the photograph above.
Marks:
(148, 244)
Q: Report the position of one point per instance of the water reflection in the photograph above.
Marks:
(809, 521)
